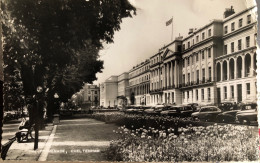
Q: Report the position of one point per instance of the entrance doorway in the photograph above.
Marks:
(239, 92)
(218, 96)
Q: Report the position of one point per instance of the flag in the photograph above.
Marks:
(169, 22)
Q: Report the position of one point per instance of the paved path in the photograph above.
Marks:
(81, 140)
(24, 151)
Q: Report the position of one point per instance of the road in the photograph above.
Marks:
(81, 140)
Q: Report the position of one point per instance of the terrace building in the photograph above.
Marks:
(139, 79)
(165, 74)
(199, 50)
(109, 92)
(123, 83)
(215, 63)
(236, 67)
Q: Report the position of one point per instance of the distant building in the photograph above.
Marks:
(91, 95)
(123, 83)
(109, 92)
(139, 84)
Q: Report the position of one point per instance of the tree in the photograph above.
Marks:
(55, 43)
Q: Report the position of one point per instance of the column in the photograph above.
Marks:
(228, 70)
(235, 68)
(165, 76)
(243, 66)
(175, 73)
(171, 74)
(252, 65)
(221, 68)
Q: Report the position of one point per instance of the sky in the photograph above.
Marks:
(141, 37)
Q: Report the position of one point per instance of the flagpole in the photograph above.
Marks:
(172, 28)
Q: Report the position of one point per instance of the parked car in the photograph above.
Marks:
(247, 114)
(178, 111)
(135, 109)
(194, 106)
(226, 106)
(206, 113)
(155, 110)
(229, 114)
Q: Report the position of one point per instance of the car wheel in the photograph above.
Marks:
(245, 122)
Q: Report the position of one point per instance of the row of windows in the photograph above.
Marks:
(141, 79)
(91, 91)
(197, 94)
(239, 45)
(139, 71)
(232, 91)
(197, 73)
(203, 37)
(191, 59)
(240, 24)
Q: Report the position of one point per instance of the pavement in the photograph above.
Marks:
(82, 139)
(24, 150)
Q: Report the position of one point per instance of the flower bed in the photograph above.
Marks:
(194, 143)
(137, 121)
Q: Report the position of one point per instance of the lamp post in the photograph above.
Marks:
(36, 127)
(56, 119)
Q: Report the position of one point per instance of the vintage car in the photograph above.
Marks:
(226, 106)
(206, 113)
(155, 110)
(247, 114)
(229, 115)
(178, 111)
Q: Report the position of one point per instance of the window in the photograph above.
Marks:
(232, 47)
(203, 36)
(88, 92)
(197, 57)
(240, 23)
(209, 52)
(197, 38)
(188, 60)
(197, 95)
(232, 91)
(89, 98)
(209, 32)
(209, 94)
(247, 41)
(225, 49)
(233, 26)
(188, 44)
(248, 19)
(188, 95)
(239, 44)
(202, 54)
(192, 41)
(183, 47)
(183, 63)
(226, 29)
(183, 78)
(209, 73)
(188, 77)
(198, 75)
(202, 94)
(95, 92)
(248, 88)
(225, 92)
(203, 74)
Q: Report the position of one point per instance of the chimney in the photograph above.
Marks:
(190, 31)
(228, 12)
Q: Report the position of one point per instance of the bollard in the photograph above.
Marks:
(56, 119)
